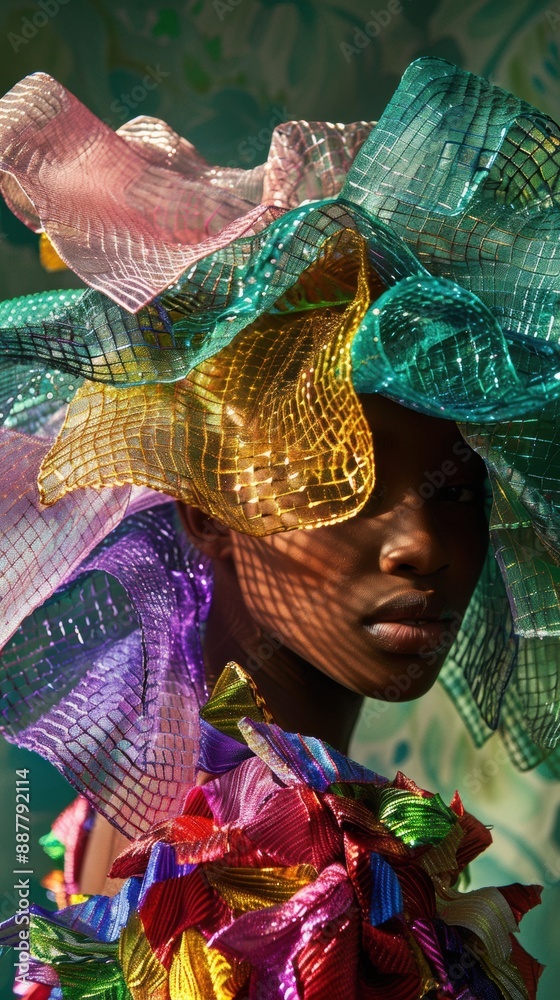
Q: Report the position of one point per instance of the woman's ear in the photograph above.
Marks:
(208, 534)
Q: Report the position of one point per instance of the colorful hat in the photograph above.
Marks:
(232, 319)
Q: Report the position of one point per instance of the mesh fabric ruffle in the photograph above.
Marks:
(416, 259)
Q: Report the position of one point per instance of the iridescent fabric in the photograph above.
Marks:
(130, 211)
(297, 873)
(40, 549)
(416, 259)
(106, 678)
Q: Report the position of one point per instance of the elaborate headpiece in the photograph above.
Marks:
(417, 258)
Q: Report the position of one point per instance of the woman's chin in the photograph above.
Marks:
(394, 683)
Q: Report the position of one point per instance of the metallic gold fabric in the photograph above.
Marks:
(235, 696)
(267, 434)
(253, 888)
(198, 972)
(145, 976)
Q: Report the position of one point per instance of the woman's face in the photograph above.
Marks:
(376, 601)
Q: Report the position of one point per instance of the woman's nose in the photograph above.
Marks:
(411, 541)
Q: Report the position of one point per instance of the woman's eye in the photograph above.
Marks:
(458, 494)
(377, 494)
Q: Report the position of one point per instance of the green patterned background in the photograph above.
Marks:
(226, 72)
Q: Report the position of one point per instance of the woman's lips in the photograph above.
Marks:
(410, 636)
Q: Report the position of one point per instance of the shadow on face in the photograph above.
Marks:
(376, 601)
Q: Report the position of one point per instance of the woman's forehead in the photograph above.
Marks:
(389, 420)
(408, 441)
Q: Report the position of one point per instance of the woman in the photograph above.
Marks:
(340, 596)
(321, 619)
(249, 390)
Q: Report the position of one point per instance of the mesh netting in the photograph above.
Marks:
(423, 264)
(105, 679)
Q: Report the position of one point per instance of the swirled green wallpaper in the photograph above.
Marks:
(224, 73)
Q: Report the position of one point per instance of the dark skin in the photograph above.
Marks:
(312, 590)
(291, 607)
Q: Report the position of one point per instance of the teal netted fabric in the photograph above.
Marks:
(418, 258)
